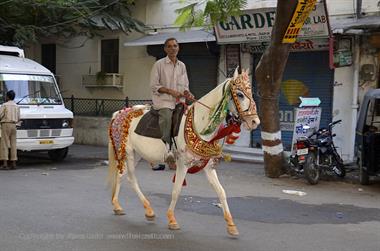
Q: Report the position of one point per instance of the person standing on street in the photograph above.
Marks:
(169, 83)
(9, 117)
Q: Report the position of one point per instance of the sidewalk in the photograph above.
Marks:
(239, 167)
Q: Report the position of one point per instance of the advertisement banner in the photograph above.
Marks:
(256, 26)
(306, 116)
(302, 11)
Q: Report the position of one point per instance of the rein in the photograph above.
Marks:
(199, 102)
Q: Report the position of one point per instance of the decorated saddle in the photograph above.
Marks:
(148, 125)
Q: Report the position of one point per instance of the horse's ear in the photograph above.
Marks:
(236, 73)
(246, 71)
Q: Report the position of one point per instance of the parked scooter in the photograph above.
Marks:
(317, 153)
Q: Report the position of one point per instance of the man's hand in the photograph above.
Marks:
(175, 94)
(188, 95)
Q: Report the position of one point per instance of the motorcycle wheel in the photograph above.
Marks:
(340, 171)
(311, 169)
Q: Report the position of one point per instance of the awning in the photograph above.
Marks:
(364, 23)
(191, 36)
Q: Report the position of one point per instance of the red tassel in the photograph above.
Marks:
(225, 131)
(184, 181)
(194, 169)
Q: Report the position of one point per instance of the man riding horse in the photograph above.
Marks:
(169, 84)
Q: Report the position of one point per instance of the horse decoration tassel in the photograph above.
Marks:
(218, 114)
(195, 151)
(118, 133)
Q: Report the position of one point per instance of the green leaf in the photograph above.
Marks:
(183, 17)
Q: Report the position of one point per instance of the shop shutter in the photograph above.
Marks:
(202, 73)
(201, 60)
(306, 74)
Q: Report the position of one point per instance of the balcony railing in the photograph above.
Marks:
(109, 80)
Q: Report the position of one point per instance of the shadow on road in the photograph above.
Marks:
(278, 211)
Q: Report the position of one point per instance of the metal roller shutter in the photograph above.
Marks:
(202, 73)
(201, 60)
(306, 74)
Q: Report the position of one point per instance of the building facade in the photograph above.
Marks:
(338, 72)
(116, 65)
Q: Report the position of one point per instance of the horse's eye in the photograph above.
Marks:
(240, 95)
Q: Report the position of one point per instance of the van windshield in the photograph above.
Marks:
(30, 89)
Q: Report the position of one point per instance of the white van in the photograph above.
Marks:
(46, 125)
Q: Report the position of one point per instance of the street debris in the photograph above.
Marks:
(294, 192)
(53, 168)
(105, 162)
(360, 189)
(217, 204)
(189, 199)
(46, 174)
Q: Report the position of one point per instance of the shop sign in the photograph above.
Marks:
(302, 11)
(301, 45)
(256, 26)
(286, 120)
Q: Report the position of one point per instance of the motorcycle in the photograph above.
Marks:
(317, 153)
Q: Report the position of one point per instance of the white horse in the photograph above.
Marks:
(194, 143)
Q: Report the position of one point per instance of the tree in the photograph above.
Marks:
(24, 22)
(269, 70)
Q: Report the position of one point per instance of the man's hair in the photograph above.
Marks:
(11, 95)
(170, 39)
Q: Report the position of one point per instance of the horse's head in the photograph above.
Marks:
(243, 105)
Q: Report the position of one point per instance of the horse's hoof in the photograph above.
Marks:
(150, 217)
(174, 226)
(232, 230)
(119, 212)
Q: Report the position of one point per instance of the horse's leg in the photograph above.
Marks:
(149, 213)
(118, 210)
(114, 179)
(214, 181)
(180, 177)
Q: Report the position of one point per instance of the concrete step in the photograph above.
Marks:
(245, 154)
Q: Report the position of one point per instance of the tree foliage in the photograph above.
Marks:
(207, 12)
(25, 21)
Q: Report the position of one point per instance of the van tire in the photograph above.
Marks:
(363, 175)
(58, 155)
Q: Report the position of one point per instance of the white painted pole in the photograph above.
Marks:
(355, 91)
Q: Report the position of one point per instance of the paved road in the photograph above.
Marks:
(66, 206)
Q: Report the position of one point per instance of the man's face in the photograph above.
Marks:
(171, 48)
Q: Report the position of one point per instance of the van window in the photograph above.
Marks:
(30, 89)
(373, 115)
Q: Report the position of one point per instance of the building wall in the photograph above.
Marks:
(371, 7)
(81, 56)
(134, 65)
(161, 14)
(342, 109)
(368, 56)
(91, 130)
